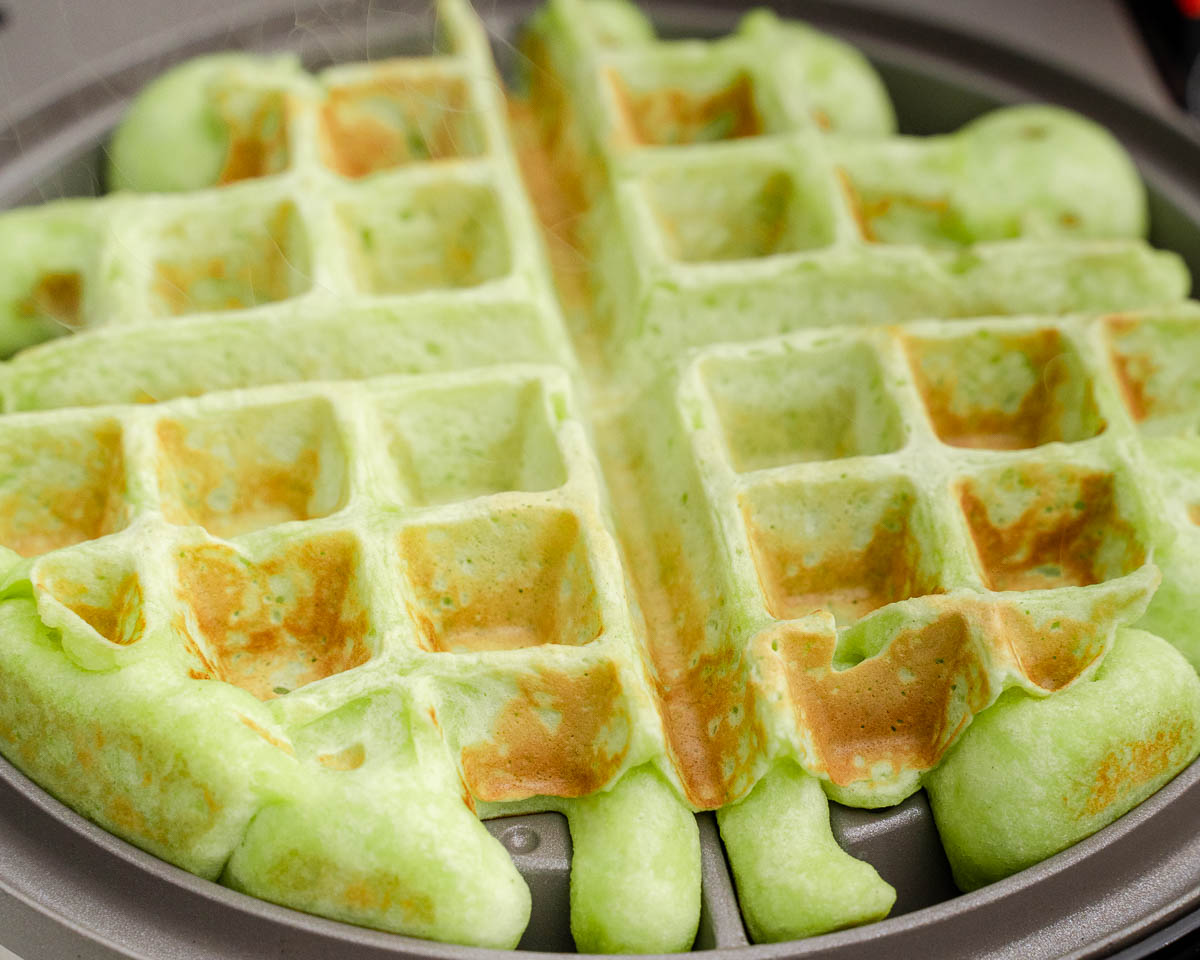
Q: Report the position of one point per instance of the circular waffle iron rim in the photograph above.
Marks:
(1138, 875)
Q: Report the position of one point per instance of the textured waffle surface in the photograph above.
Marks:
(359, 216)
(672, 435)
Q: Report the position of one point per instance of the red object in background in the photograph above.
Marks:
(1171, 31)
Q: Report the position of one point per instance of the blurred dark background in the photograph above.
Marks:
(49, 45)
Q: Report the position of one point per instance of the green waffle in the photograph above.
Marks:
(673, 436)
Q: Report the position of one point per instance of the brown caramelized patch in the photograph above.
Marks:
(121, 621)
(1126, 767)
(58, 297)
(379, 894)
(275, 626)
(114, 613)
(1134, 372)
(854, 202)
(396, 120)
(553, 171)
(903, 707)
(899, 217)
(66, 489)
(708, 703)
(258, 136)
(673, 116)
(1134, 369)
(267, 735)
(501, 584)
(351, 758)
(562, 174)
(222, 475)
(972, 404)
(709, 706)
(562, 735)
(848, 583)
(1053, 654)
(1150, 358)
(1062, 527)
(845, 549)
(871, 213)
(361, 893)
(261, 263)
(157, 799)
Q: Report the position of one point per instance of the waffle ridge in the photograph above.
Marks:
(673, 437)
(431, 229)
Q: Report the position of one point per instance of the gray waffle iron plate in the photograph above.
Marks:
(69, 889)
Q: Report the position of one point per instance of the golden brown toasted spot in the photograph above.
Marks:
(535, 590)
(847, 582)
(364, 893)
(278, 625)
(125, 816)
(1194, 513)
(562, 174)
(56, 296)
(203, 667)
(670, 115)
(990, 422)
(554, 176)
(258, 142)
(43, 507)
(759, 230)
(868, 212)
(562, 735)
(708, 703)
(263, 491)
(260, 270)
(874, 210)
(1134, 763)
(351, 758)
(904, 706)
(855, 203)
(1054, 653)
(119, 620)
(1134, 373)
(380, 893)
(1057, 539)
(176, 810)
(173, 281)
(390, 121)
(267, 735)
(85, 758)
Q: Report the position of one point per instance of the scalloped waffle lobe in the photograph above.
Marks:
(667, 435)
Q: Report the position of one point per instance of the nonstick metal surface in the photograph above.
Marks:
(71, 889)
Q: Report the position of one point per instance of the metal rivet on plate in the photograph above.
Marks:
(520, 839)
